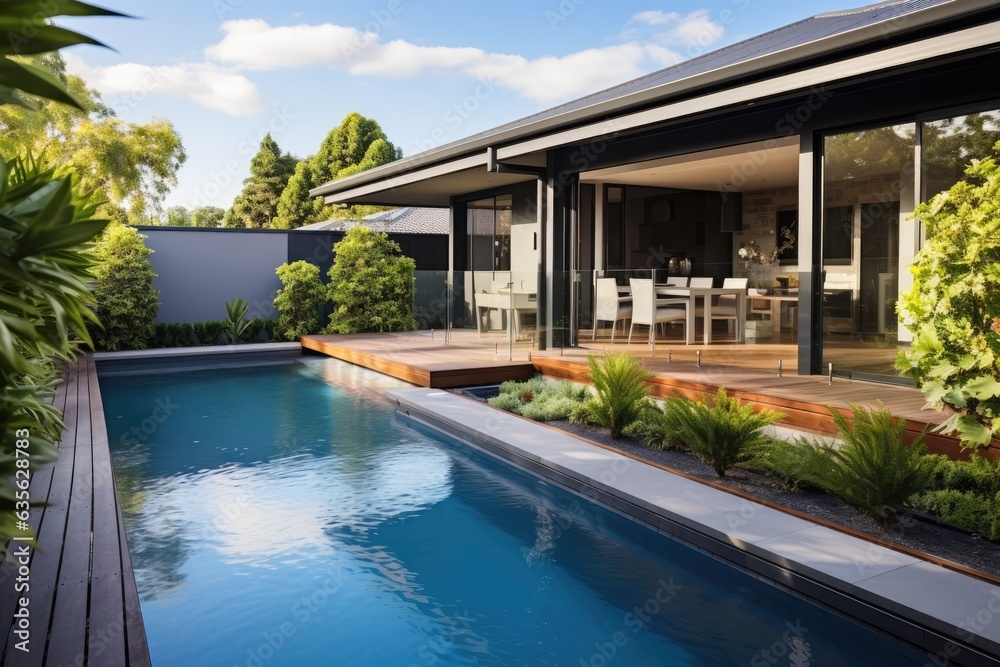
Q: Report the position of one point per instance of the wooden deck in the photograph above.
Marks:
(425, 361)
(82, 602)
(742, 369)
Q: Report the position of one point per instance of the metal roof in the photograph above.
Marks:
(819, 37)
(796, 34)
(405, 220)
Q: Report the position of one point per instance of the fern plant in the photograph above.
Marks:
(620, 383)
(660, 428)
(873, 471)
(722, 432)
(236, 323)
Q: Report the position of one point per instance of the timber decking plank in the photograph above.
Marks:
(135, 629)
(68, 628)
(41, 481)
(45, 559)
(106, 630)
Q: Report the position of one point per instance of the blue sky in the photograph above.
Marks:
(227, 71)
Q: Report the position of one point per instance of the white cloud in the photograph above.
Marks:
(253, 44)
(696, 28)
(656, 17)
(126, 85)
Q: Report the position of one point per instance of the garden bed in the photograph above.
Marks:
(926, 535)
(937, 540)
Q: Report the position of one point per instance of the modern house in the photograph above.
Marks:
(833, 128)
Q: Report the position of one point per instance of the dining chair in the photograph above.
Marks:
(644, 313)
(609, 306)
(676, 281)
(725, 308)
(706, 281)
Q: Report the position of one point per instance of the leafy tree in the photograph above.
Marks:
(299, 299)
(295, 207)
(178, 216)
(207, 216)
(45, 226)
(357, 144)
(371, 285)
(257, 204)
(126, 301)
(133, 165)
(953, 308)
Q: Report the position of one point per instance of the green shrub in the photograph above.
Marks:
(620, 383)
(660, 428)
(795, 464)
(126, 301)
(236, 324)
(209, 333)
(371, 285)
(873, 471)
(555, 402)
(538, 400)
(299, 300)
(721, 431)
(953, 308)
(44, 309)
(970, 511)
(977, 475)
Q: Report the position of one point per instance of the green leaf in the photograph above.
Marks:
(983, 387)
(24, 38)
(34, 80)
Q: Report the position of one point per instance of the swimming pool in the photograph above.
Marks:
(282, 515)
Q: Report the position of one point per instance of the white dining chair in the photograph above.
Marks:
(610, 306)
(644, 313)
(706, 281)
(726, 307)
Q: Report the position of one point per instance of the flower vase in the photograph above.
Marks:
(762, 277)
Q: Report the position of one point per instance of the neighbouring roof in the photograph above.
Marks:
(406, 220)
(818, 38)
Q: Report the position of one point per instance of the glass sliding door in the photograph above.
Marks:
(868, 198)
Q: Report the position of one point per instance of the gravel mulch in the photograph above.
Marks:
(943, 542)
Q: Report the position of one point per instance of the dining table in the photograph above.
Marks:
(706, 294)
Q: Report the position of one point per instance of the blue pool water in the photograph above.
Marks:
(282, 515)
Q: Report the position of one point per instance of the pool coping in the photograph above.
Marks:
(204, 350)
(942, 612)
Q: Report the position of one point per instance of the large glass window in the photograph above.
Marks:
(867, 195)
(948, 145)
(489, 222)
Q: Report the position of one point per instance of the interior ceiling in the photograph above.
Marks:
(744, 168)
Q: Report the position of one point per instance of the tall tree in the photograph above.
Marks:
(357, 144)
(133, 165)
(207, 216)
(257, 204)
(178, 216)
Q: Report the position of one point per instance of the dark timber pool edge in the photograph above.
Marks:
(918, 603)
(83, 607)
